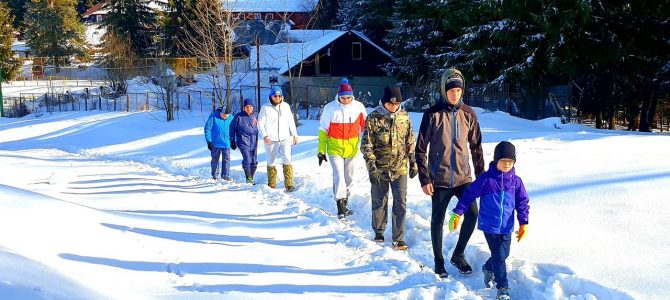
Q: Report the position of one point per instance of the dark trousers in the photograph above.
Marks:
(379, 194)
(249, 158)
(499, 244)
(441, 198)
(224, 155)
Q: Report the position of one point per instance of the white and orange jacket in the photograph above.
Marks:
(340, 128)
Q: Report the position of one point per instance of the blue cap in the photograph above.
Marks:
(275, 90)
(248, 102)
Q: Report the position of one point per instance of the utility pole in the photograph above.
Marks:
(258, 70)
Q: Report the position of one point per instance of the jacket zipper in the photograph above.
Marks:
(502, 199)
(453, 148)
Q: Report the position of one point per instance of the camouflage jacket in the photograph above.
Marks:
(388, 142)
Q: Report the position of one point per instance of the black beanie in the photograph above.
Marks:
(504, 150)
(392, 94)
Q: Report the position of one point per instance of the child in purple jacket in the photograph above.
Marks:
(500, 193)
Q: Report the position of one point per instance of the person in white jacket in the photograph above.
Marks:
(277, 127)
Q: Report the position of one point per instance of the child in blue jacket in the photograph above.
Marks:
(500, 192)
(217, 135)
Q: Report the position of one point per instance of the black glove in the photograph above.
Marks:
(413, 170)
(233, 145)
(210, 146)
(322, 158)
(375, 176)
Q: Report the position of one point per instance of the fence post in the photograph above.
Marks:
(146, 106)
(189, 101)
(127, 103)
(114, 103)
(99, 102)
(86, 102)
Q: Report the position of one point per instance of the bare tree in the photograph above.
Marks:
(119, 62)
(213, 41)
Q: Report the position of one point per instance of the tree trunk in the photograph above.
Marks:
(599, 120)
(647, 112)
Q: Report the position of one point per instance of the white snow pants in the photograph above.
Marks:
(343, 174)
(282, 148)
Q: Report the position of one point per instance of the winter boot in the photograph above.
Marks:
(342, 210)
(400, 245)
(458, 260)
(272, 177)
(288, 178)
(249, 177)
(503, 294)
(379, 238)
(440, 270)
(488, 277)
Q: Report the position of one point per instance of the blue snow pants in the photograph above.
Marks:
(499, 244)
(249, 158)
(218, 153)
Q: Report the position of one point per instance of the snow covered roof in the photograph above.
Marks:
(99, 8)
(270, 5)
(284, 56)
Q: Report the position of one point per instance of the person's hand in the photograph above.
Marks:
(375, 176)
(210, 146)
(233, 145)
(295, 140)
(322, 158)
(521, 233)
(266, 140)
(428, 189)
(413, 170)
(454, 221)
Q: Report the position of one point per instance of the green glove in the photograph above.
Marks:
(454, 221)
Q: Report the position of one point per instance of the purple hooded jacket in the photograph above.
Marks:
(500, 194)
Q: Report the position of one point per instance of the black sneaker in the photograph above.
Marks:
(503, 294)
(488, 277)
(400, 245)
(379, 238)
(441, 271)
(458, 260)
(290, 189)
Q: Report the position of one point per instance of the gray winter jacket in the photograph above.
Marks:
(450, 131)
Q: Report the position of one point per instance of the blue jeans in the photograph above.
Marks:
(217, 153)
(499, 244)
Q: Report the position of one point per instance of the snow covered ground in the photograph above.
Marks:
(102, 205)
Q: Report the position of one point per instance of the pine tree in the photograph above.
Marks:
(372, 17)
(176, 24)
(18, 8)
(53, 30)
(419, 40)
(327, 14)
(10, 66)
(133, 18)
(84, 5)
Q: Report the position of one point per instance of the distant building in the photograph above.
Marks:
(316, 61)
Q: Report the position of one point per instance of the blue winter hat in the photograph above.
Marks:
(248, 102)
(275, 91)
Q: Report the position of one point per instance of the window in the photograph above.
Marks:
(258, 16)
(322, 64)
(356, 51)
(268, 17)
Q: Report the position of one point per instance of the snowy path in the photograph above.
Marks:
(203, 238)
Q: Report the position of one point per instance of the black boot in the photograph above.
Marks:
(342, 210)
